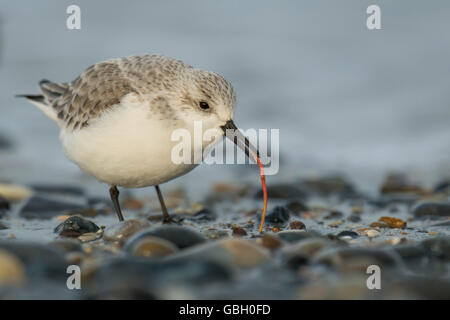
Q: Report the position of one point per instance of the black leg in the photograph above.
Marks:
(114, 193)
(166, 217)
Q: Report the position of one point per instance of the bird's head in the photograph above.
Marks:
(209, 98)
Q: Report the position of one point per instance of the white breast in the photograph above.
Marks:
(126, 146)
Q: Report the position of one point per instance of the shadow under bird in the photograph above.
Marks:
(117, 117)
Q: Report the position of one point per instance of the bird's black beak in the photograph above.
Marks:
(232, 132)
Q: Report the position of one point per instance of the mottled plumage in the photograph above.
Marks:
(104, 84)
(117, 118)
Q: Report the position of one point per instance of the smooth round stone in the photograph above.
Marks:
(348, 233)
(442, 186)
(64, 190)
(76, 225)
(46, 207)
(293, 236)
(354, 217)
(4, 204)
(351, 287)
(232, 252)
(12, 271)
(334, 214)
(182, 237)
(214, 234)
(297, 225)
(357, 259)
(409, 252)
(203, 215)
(278, 216)
(151, 247)
(90, 236)
(439, 247)
(372, 233)
(428, 287)
(40, 261)
(14, 193)
(432, 209)
(66, 245)
(297, 206)
(326, 186)
(239, 232)
(123, 230)
(74, 257)
(270, 242)
(138, 278)
(307, 247)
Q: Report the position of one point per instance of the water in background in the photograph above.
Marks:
(344, 98)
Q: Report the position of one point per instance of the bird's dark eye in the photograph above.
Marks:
(204, 105)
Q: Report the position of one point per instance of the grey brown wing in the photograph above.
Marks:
(95, 90)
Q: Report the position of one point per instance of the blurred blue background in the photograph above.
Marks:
(344, 98)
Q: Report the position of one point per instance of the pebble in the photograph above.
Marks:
(308, 248)
(346, 287)
(42, 207)
(269, 242)
(12, 271)
(398, 183)
(297, 225)
(14, 193)
(409, 253)
(348, 233)
(378, 224)
(62, 190)
(357, 209)
(66, 245)
(202, 215)
(5, 143)
(354, 217)
(333, 185)
(234, 253)
(292, 236)
(74, 257)
(182, 237)
(123, 230)
(432, 209)
(443, 186)
(214, 234)
(393, 222)
(335, 223)
(40, 261)
(334, 215)
(357, 259)
(122, 278)
(4, 204)
(132, 204)
(297, 206)
(238, 231)
(372, 233)
(151, 247)
(394, 241)
(439, 247)
(420, 287)
(277, 216)
(76, 226)
(90, 236)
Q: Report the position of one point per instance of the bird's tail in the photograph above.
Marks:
(50, 91)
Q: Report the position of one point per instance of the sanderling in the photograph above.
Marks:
(117, 117)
